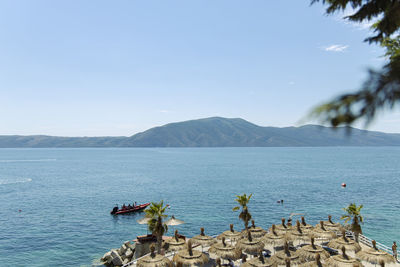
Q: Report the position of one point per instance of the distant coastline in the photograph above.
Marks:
(215, 132)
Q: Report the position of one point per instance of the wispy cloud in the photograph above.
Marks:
(335, 48)
(291, 83)
(164, 111)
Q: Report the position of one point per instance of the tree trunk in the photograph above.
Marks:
(159, 243)
(159, 234)
(356, 228)
(356, 235)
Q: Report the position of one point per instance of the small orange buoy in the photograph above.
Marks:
(344, 185)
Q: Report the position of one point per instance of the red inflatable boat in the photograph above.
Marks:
(128, 209)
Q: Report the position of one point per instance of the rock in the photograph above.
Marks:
(125, 261)
(116, 258)
(123, 257)
(106, 256)
(122, 249)
(129, 253)
(130, 245)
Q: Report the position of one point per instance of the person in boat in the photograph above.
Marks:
(123, 207)
(115, 209)
(135, 204)
(129, 206)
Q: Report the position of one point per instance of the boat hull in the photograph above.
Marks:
(133, 209)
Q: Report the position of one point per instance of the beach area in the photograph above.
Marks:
(281, 245)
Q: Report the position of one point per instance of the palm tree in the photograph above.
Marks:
(155, 212)
(354, 214)
(244, 215)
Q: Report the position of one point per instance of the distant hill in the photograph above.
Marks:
(216, 132)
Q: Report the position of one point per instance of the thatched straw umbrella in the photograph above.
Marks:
(310, 252)
(154, 260)
(374, 255)
(282, 228)
(343, 241)
(175, 243)
(259, 261)
(304, 225)
(322, 233)
(297, 234)
(286, 256)
(173, 221)
(225, 251)
(190, 257)
(273, 238)
(202, 239)
(256, 231)
(315, 263)
(343, 260)
(249, 245)
(331, 226)
(231, 234)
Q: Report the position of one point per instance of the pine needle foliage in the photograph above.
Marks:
(381, 90)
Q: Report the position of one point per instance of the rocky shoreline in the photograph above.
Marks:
(119, 257)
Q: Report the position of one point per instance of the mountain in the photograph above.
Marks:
(216, 132)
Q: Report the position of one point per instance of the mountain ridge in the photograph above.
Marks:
(216, 132)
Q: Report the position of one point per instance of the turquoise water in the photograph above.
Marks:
(66, 194)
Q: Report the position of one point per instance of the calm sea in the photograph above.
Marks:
(65, 195)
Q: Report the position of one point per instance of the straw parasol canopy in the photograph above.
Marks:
(250, 245)
(282, 228)
(256, 231)
(273, 238)
(322, 233)
(225, 251)
(315, 263)
(190, 257)
(143, 220)
(173, 221)
(374, 255)
(297, 234)
(230, 234)
(343, 260)
(175, 243)
(154, 260)
(310, 252)
(304, 225)
(343, 241)
(286, 256)
(331, 226)
(259, 261)
(202, 239)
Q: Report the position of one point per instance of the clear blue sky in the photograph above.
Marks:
(98, 67)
